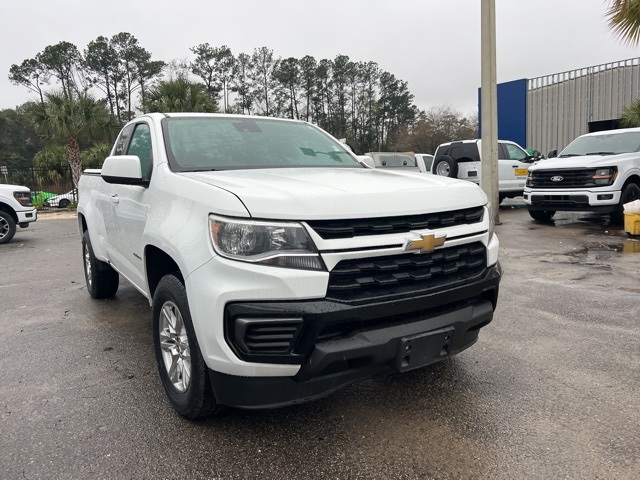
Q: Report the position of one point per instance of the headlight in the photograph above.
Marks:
(605, 176)
(277, 244)
(492, 221)
(23, 198)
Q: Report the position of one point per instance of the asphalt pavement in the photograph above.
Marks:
(551, 389)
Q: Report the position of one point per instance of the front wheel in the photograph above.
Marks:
(630, 193)
(7, 227)
(102, 280)
(64, 203)
(183, 372)
(542, 215)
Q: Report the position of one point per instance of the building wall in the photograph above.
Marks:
(512, 111)
(562, 106)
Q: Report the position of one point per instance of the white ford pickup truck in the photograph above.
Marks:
(279, 267)
(597, 172)
(16, 209)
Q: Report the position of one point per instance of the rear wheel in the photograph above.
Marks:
(64, 203)
(184, 374)
(102, 280)
(630, 193)
(542, 215)
(7, 227)
(446, 166)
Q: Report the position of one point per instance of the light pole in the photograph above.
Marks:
(489, 106)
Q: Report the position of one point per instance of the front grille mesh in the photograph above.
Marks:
(570, 178)
(332, 229)
(359, 279)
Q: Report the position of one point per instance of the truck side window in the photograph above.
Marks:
(123, 140)
(140, 145)
(515, 153)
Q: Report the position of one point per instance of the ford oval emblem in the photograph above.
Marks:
(557, 178)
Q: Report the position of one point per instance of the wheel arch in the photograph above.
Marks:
(158, 263)
(8, 209)
(632, 179)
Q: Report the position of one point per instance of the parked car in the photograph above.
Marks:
(278, 267)
(462, 159)
(597, 172)
(63, 200)
(15, 209)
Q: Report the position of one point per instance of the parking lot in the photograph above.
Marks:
(551, 390)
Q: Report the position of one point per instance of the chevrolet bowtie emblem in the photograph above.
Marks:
(427, 243)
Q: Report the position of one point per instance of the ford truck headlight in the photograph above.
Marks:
(605, 176)
(267, 243)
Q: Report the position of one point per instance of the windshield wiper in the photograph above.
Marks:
(568, 155)
(602, 153)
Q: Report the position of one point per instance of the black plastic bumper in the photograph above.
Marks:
(387, 337)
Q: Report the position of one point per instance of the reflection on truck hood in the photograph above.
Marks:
(322, 193)
(586, 161)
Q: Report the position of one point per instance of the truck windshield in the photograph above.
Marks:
(234, 142)
(606, 144)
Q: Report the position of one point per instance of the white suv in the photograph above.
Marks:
(462, 160)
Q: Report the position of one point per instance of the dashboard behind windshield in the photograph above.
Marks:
(231, 143)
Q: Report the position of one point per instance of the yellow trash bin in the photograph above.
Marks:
(632, 223)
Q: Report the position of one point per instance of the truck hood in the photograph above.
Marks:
(324, 193)
(586, 161)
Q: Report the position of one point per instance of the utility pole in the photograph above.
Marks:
(489, 106)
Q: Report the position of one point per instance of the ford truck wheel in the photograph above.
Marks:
(446, 167)
(630, 193)
(7, 227)
(184, 374)
(102, 280)
(542, 215)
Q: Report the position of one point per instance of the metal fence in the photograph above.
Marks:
(43, 182)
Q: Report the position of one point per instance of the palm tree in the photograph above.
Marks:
(178, 95)
(630, 116)
(66, 119)
(624, 20)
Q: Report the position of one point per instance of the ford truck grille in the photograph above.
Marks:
(379, 277)
(562, 178)
(332, 229)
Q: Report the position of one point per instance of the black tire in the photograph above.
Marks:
(446, 166)
(7, 227)
(64, 203)
(542, 215)
(102, 280)
(630, 193)
(177, 351)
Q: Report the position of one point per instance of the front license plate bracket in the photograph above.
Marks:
(424, 348)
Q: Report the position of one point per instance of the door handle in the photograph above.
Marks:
(114, 199)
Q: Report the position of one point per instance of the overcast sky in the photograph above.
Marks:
(433, 45)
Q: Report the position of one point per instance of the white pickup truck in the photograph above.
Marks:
(597, 172)
(16, 209)
(279, 268)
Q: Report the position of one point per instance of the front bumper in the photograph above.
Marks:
(603, 201)
(339, 344)
(27, 216)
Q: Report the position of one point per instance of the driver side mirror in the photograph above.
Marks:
(552, 154)
(123, 169)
